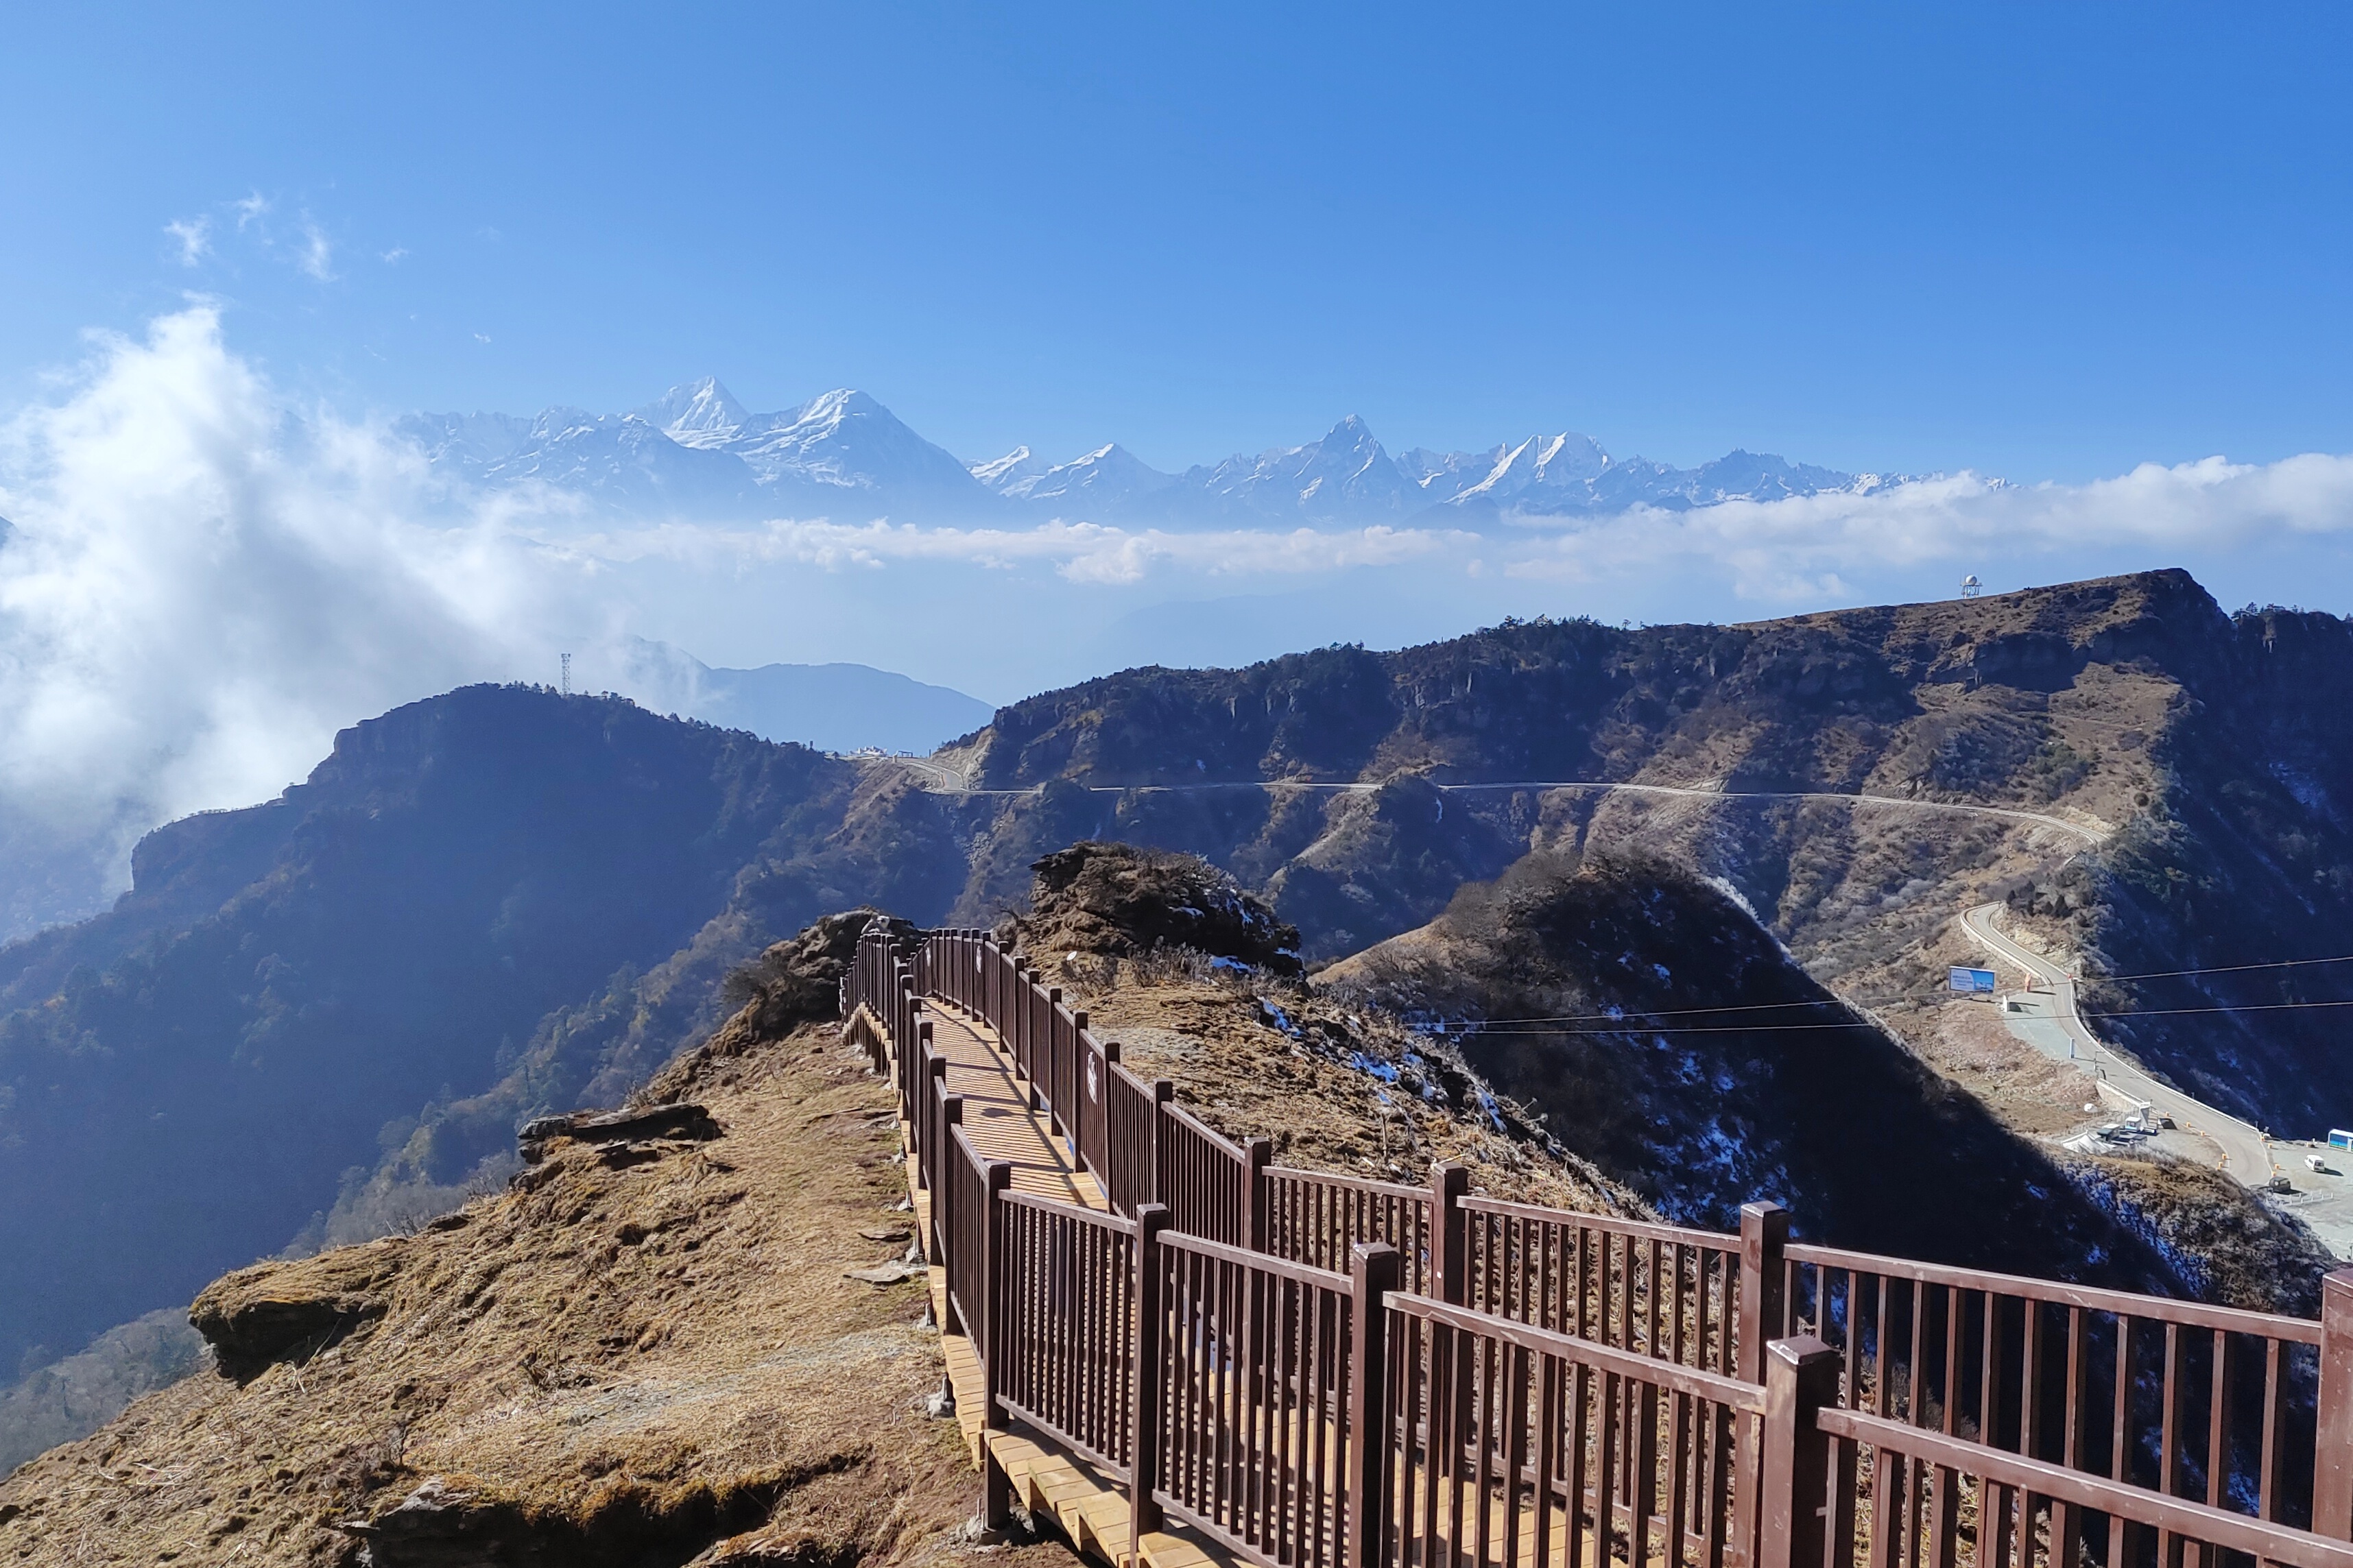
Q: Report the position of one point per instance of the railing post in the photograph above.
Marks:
(2332, 1478)
(1015, 1026)
(1163, 1092)
(1059, 1110)
(943, 1215)
(1449, 1239)
(997, 1486)
(1079, 1104)
(1801, 1377)
(1257, 1155)
(1764, 1231)
(1143, 1508)
(1375, 1274)
(930, 1140)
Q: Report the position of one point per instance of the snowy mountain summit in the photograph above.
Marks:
(696, 452)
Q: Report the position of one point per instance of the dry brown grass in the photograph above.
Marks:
(1239, 1070)
(640, 1354)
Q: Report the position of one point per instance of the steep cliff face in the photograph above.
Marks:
(184, 1083)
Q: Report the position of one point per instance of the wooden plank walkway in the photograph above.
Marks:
(998, 1115)
(1002, 1124)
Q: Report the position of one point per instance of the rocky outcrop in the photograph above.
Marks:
(291, 1311)
(798, 981)
(1115, 900)
(677, 1122)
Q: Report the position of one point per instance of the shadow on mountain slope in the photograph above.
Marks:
(1666, 1037)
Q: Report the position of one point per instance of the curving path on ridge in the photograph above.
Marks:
(2053, 1026)
(940, 779)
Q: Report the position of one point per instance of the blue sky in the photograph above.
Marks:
(2069, 258)
(2043, 242)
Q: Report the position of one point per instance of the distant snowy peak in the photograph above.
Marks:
(1001, 474)
(841, 439)
(700, 414)
(1108, 476)
(1528, 473)
(1344, 475)
(846, 439)
(695, 450)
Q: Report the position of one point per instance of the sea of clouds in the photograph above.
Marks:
(201, 582)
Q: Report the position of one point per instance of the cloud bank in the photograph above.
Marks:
(196, 590)
(200, 583)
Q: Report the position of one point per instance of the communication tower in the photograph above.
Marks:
(1971, 585)
(567, 673)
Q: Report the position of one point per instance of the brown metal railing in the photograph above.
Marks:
(1316, 1217)
(1206, 1178)
(1207, 1341)
(1068, 1330)
(1254, 1362)
(1506, 1443)
(1133, 1110)
(1989, 1507)
(2173, 1397)
(1659, 1290)
(969, 1191)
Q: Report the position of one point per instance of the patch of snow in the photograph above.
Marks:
(1276, 1018)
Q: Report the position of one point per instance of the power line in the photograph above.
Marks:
(1627, 1017)
(2217, 969)
(1633, 1024)
(2246, 1007)
(1692, 1012)
(1633, 1028)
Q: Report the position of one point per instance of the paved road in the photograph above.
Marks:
(2054, 1027)
(946, 780)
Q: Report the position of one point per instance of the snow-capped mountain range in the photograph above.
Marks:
(696, 452)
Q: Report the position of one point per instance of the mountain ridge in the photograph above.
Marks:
(697, 450)
(351, 963)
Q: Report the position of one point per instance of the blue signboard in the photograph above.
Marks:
(1971, 982)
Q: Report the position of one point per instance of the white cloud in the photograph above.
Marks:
(1810, 548)
(250, 209)
(317, 257)
(197, 592)
(396, 255)
(195, 237)
(1080, 552)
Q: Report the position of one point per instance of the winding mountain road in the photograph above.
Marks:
(942, 779)
(2053, 1026)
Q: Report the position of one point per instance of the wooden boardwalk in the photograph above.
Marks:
(998, 1115)
(1002, 1124)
